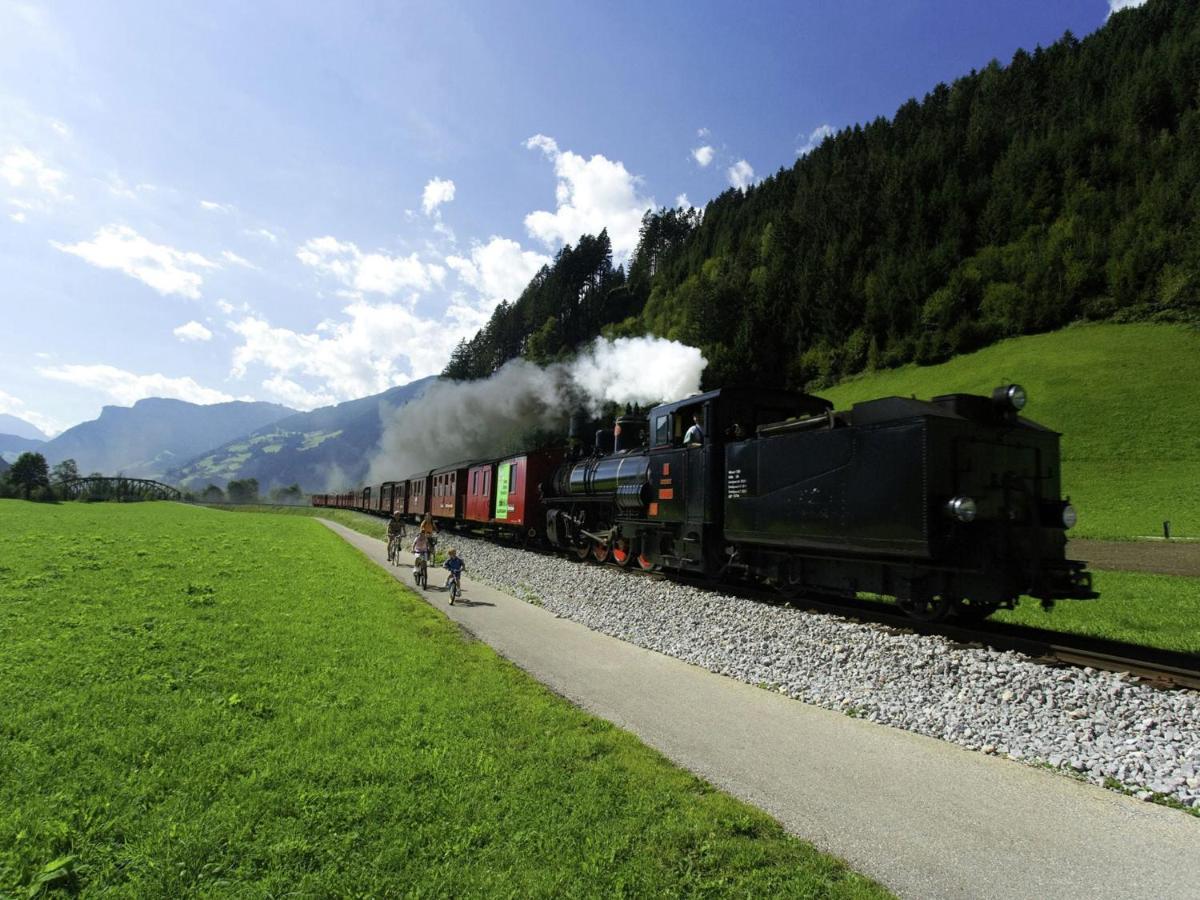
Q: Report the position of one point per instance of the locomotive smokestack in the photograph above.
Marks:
(577, 429)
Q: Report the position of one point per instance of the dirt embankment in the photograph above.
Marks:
(1161, 557)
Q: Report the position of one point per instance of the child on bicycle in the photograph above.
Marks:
(456, 566)
(423, 546)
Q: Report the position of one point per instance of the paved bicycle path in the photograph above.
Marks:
(924, 817)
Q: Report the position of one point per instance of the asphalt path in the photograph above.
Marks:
(922, 816)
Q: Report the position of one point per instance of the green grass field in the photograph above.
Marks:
(1127, 399)
(1152, 610)
(198, 703)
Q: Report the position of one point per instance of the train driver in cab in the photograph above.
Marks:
(695, 435)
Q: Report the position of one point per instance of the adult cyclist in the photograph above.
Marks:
(429, 529)
(395, 536)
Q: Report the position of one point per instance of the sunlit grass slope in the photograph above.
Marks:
(1127, 399)
(203, 704)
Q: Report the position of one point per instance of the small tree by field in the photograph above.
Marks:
(67, 470)
(243, 490)
(28, 472)
(212, 494)
(290, 494)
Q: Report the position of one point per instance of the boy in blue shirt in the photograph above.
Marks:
(456, 566)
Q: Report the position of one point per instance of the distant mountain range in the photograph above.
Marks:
(156, 434)
(319, 450)
(13, 445)
(11, 425)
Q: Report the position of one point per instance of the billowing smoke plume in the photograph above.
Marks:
(454, 421)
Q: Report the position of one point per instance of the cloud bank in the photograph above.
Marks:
(161, 267)
(591, 195)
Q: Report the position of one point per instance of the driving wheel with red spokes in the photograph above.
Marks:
(622, 552)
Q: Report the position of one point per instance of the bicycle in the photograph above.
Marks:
(454, 586)
(395, 543)
(421, 570)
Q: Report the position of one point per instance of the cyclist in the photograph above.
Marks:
(456, 566)
(422, 554)
(429, 529)
(395, 536)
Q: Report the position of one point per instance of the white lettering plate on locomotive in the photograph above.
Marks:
(736, 485)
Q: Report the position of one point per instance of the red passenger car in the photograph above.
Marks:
(448, 499)
(418, 495)
(480, 478)
(518, 491)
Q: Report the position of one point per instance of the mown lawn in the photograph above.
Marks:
(1124, 396)
(1152, 610)
(198, 703)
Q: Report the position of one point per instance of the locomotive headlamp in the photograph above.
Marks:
(1070, 517)
(962, 508)
(1011, 395)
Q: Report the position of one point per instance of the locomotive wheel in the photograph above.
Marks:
(927, 609)
(582, 553)
(645, 562)
(622, 552)
(600, 552)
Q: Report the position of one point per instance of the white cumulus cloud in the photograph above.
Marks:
(703, 155)
(21, 167)
(263, 233)
(498, 270)
(16, 407)
(741, 174)
(167, 270)
(815, 138)
(213, 206)
(592, 194)
(1115, 6)
(230, 257)
(378, 273)
(295, 395)
(128, 387)
(373, 348)
(682, 202)
(437, 192)
(192, 331)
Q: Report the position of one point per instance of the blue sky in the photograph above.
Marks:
(307, 203)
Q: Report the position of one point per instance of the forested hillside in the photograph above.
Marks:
(1062, 186)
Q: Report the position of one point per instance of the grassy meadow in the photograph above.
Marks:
(199, 703)
(1125, 397)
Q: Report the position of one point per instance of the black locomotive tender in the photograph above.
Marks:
(948, 505)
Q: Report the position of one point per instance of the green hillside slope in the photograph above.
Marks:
(1127, 399)
(325, 449)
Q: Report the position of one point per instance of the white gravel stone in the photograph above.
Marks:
(1095, 725)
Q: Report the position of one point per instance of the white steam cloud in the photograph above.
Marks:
(454, 421)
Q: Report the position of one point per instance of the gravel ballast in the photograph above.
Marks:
(1101, 726)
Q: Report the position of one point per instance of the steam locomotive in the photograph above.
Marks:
(951, 505)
